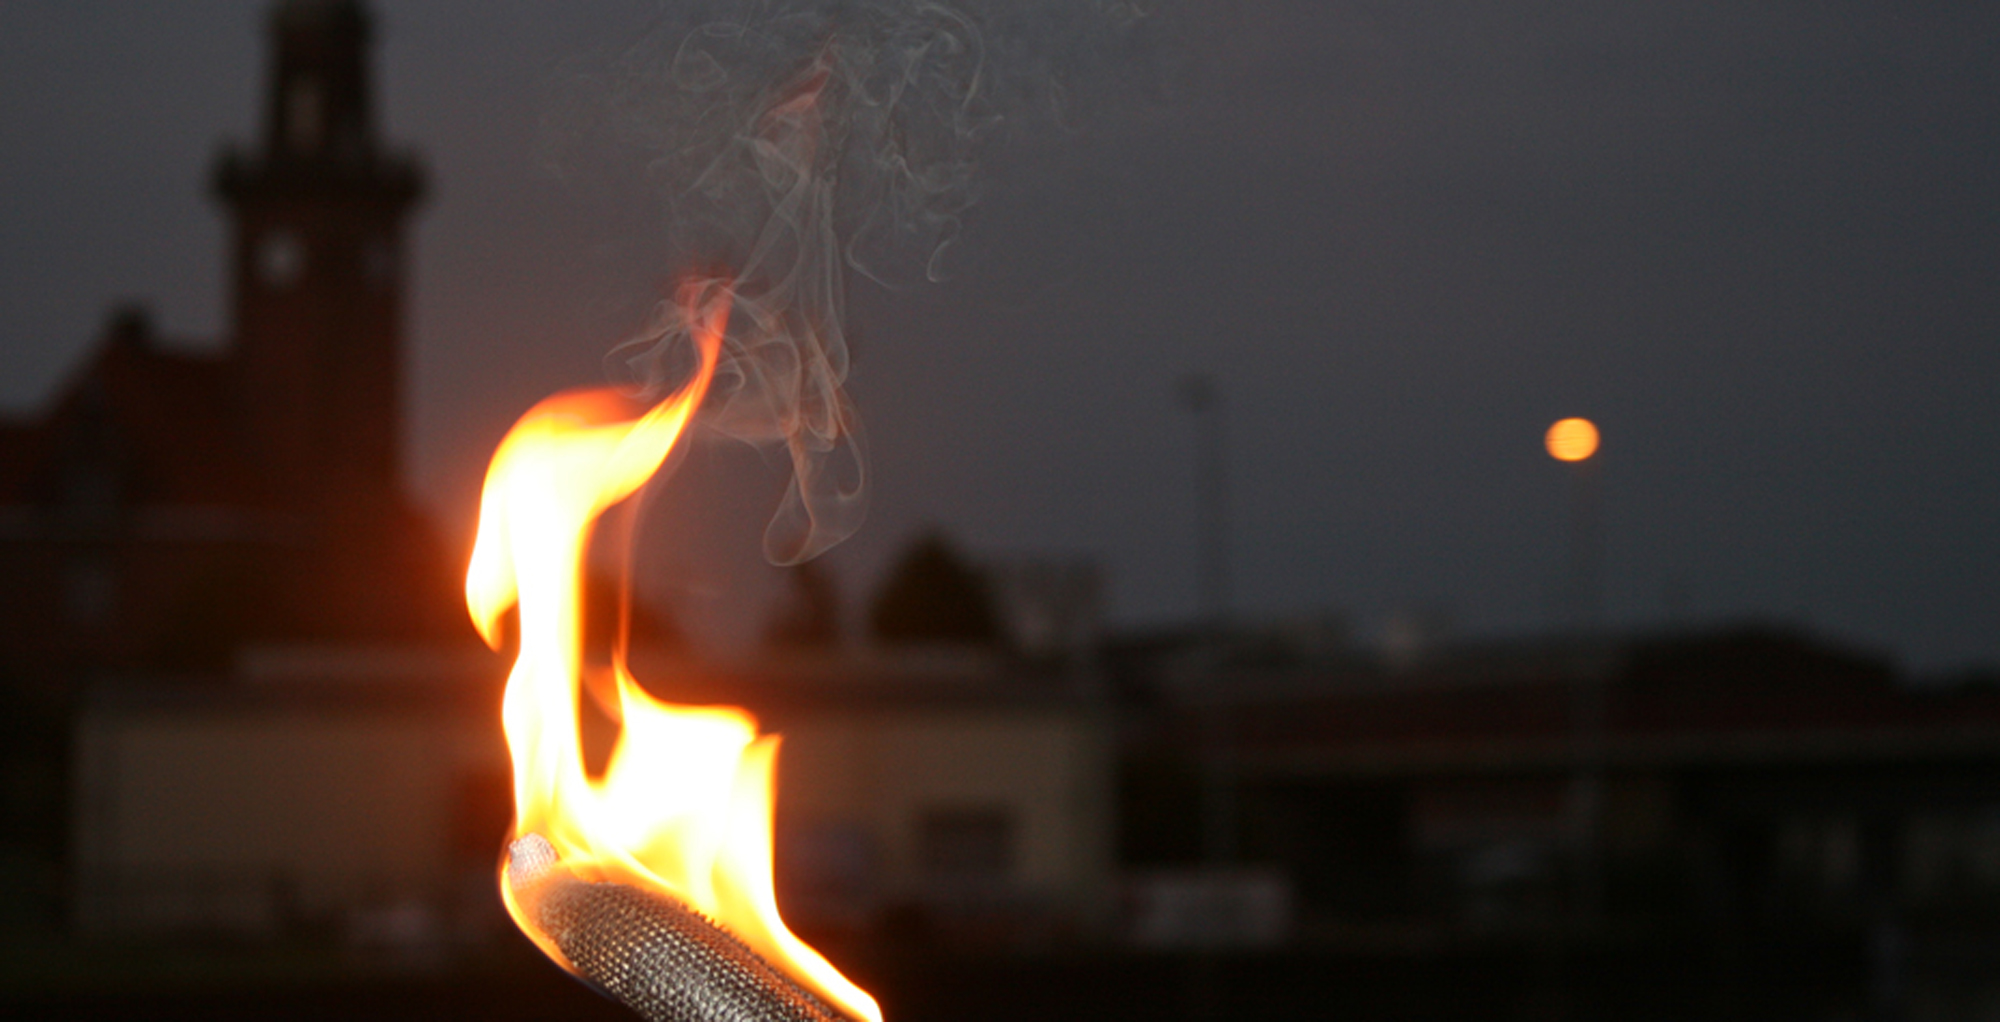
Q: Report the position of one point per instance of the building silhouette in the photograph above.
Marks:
(249, 701)
(170, 508)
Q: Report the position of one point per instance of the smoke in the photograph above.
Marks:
(794, 142)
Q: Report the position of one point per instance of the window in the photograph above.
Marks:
(972, 844)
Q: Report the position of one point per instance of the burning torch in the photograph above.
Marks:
(652, 882)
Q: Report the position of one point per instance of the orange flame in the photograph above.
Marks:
(684, 806)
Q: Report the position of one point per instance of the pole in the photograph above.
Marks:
(1586, 547)
(1204, 401)
(1218, 774)
(1586, 612)
(1206, 998)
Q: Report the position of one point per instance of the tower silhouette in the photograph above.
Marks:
(172, 507)
(319, 208)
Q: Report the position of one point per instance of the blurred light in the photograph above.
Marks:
(1572, 440)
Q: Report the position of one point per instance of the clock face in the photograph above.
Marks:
(281, 259)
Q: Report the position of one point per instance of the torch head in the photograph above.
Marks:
(649, 951)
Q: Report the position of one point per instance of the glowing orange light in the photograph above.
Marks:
(1572, 440)
(684, 805)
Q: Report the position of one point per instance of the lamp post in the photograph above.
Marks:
(1206, 998)
(1575, 442)
(1218, 774)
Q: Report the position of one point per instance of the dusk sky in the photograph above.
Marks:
(1758, 243)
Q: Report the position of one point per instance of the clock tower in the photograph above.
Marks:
(319, 208)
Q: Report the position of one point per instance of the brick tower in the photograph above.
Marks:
(319, 208)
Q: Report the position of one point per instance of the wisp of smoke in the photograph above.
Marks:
(797, 140)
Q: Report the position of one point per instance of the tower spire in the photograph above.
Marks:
(318, 207)
(320, 106)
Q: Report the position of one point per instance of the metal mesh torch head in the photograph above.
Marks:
(659, 957)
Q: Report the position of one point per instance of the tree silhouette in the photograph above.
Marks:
(933, 596)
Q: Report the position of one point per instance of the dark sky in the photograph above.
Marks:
(1759, 243)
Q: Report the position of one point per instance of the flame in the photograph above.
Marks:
(684, 806)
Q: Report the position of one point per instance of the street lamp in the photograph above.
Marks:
(1218, 768)
(1574, 441)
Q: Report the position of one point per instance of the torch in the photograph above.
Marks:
(649, 950)
(652, 882)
